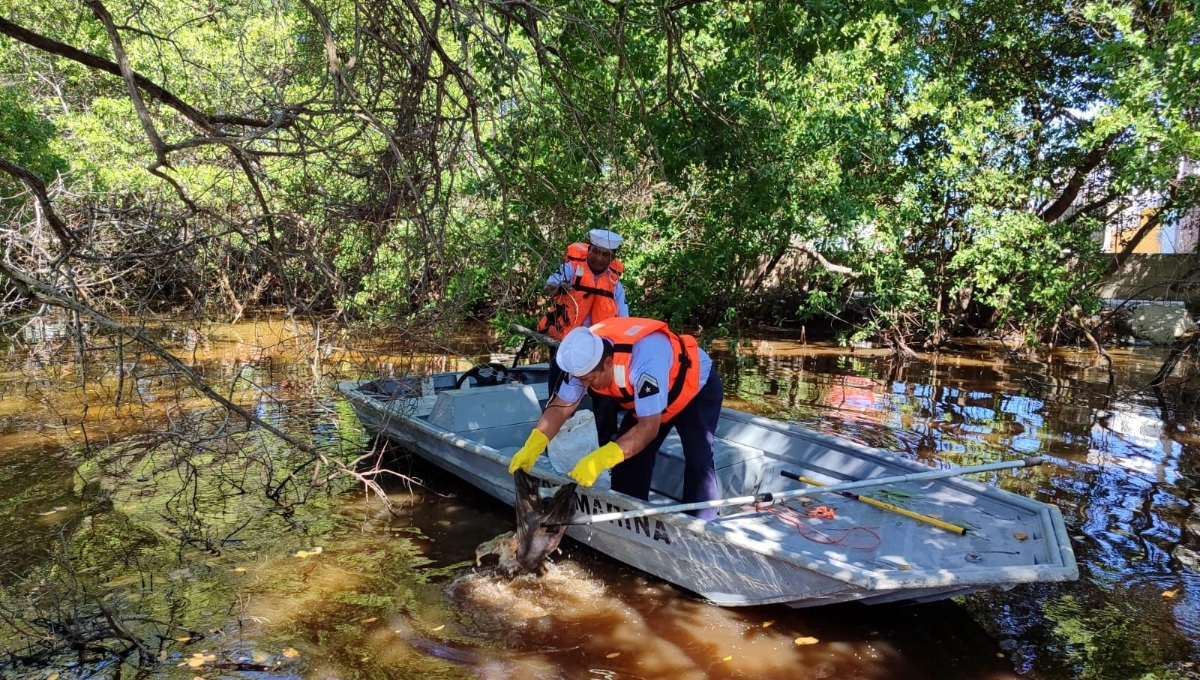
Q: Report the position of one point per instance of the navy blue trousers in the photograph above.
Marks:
(697, 425)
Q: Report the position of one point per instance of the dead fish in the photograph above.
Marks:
(526, 549)
(504, 547)
(536, 540)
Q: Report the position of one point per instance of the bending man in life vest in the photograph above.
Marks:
(662, 381)
(585, 290)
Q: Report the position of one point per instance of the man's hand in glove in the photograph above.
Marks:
(590, 466)
(527, 455)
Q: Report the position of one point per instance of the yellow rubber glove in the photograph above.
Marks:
(590, 466)
(527, 455)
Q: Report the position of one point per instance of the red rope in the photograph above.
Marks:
(815, 535)
(821, 512)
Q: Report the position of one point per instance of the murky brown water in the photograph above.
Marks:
(399, 597)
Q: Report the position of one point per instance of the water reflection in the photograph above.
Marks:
(1125, 469)
(397, 596)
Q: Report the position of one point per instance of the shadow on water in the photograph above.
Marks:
(334, 586)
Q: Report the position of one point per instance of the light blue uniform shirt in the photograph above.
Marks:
(566, 274)
(649, 375)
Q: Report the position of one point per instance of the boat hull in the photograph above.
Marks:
(746, 557)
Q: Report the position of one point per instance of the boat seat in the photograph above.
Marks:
(480, 408)
(739, 468)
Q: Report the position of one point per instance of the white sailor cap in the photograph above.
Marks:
(605, 238)
(579, 351)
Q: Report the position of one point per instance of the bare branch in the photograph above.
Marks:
(50, 295)
(135, 95)
(38, 187)
(806, 247)
(1078, 177)
(151, 88)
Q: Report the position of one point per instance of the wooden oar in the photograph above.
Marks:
(882, 505)
(772, 498)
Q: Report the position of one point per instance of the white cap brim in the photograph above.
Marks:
(579, 352)
(605, 238)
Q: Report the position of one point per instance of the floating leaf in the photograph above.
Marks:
(612, 655)
(373, 619)
(259, 657)
(727, 658)
(1020, 536)
(768, 624)
(439, 628)
(183, 639)
(806, 640)
(1170, 593)
(238, 569)
(199, 659)
(291, 653)
(52, 676)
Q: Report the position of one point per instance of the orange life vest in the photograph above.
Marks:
(684, 377)
(589, 294)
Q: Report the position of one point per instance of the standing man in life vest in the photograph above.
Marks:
(662, 380)
(585, 290)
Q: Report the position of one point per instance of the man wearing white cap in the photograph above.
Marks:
(662, 381)
(585, 290)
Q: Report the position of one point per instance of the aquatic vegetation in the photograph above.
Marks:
(159, 548)
(1114, 638)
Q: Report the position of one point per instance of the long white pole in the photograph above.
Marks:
(772, 498)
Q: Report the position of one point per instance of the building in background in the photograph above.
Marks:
(1176, 234)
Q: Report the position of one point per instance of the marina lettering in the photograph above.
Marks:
(638, 525)
(643, 525)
